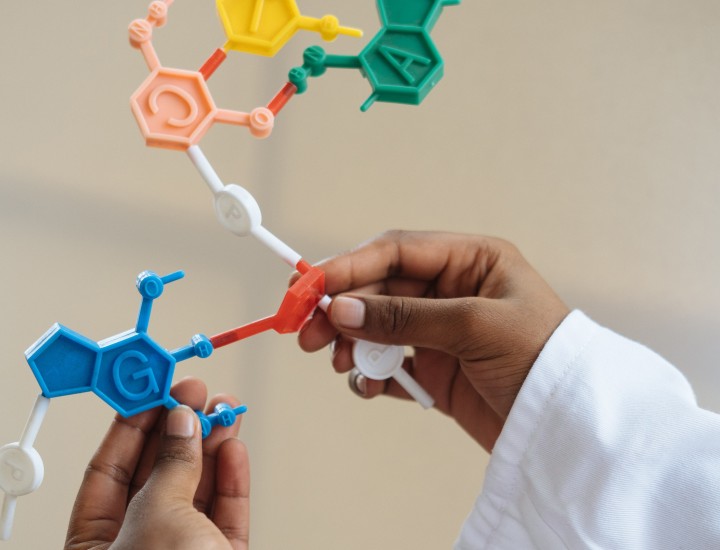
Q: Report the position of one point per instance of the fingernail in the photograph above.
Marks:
(349, 312)
(180, 422)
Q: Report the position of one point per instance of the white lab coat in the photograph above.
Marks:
(605, 448)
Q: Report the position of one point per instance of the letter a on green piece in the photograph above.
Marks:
(402, 61)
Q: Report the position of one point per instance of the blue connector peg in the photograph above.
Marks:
(224, 415)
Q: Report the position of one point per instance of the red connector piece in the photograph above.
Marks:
(300, 301)
(212, 64)
(281, 99)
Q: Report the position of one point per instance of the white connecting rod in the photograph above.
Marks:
(21, 468)
(238, 211)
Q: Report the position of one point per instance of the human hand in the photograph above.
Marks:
(153, 483)
(476, 313)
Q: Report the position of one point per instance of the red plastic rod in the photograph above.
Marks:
(281, 99)
(213, 62)
(240, 333)
(300, 301)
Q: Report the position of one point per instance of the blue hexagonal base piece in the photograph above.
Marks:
(129, 371)
(134, 373)
(63, 361)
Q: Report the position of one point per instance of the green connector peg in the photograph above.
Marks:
(316, 62)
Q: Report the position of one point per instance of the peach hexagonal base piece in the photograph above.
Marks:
(173, 108)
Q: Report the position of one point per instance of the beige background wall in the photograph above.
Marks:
(586, 132)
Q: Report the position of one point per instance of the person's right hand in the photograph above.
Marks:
(475, 311)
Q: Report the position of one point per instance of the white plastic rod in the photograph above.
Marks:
(415, 390)
(286, 253)
(238, 211)
(21, 467)
(34, 422)
(8, 516)
(380, 362)
(206, 170)
(325, 303)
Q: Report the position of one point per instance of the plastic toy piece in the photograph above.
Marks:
(188, 110)
(263, 27)
(141, 31)
(380, 362)
(129, 371)
(238, 211)
(213, 63)
(223, 415)
(401, 62)
(21, 467)
(300, 301)
(63, 362)
(281, 99)
(173, 107)
(418, 13)
(174, 110)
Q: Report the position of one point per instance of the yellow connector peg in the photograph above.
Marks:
(328, 27)
(263, 27)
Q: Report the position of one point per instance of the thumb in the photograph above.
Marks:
(178, 461)
(449, 325)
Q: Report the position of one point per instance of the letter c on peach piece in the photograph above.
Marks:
(186, 97)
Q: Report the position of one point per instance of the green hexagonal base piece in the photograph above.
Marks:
(412, 13)
(401, 62)
(402, 66)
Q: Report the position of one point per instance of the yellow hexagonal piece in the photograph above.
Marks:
(263, 27)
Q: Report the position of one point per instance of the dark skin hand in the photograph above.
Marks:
(475, 312)
(154, 483)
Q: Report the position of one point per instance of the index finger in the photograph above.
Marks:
(205, 494)
(418, 255)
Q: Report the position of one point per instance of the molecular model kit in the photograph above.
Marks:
(174, 109)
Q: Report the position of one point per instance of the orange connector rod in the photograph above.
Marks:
(212, 63)
(281, 99)
(300, 301)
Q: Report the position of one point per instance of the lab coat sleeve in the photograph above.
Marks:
(604, 448)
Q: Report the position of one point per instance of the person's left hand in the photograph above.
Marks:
(154, 483)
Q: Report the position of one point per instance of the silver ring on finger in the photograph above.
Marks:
(357, 383)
